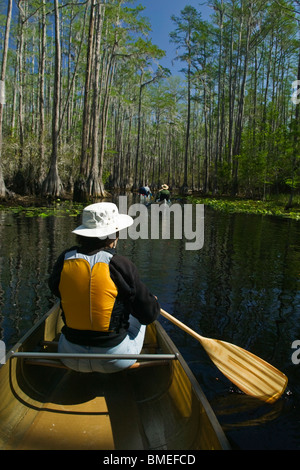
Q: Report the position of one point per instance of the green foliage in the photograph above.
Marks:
(245, 140)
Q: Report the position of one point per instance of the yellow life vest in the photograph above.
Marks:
(87, 291)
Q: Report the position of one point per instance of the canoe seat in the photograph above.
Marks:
(45, 362)
(60, 365)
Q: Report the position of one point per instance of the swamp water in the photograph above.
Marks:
(243, 287)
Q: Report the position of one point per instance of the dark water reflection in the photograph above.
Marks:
(242, 287)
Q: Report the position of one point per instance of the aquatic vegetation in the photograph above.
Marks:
(274, 207)
(57, 209)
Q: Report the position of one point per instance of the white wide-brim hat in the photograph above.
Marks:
(101, 220)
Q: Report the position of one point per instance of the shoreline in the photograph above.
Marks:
(44, 207)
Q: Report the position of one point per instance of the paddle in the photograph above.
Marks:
(248, 372)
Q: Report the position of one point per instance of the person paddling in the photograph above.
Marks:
(105, 305)
(164, 193)
(145, 191)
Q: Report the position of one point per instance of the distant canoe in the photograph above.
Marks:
(166, 202)
(158, 404)
(163, 203)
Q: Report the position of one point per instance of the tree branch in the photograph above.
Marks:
(288, 9)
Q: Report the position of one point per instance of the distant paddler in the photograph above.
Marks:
(145, 191)
(163, 194)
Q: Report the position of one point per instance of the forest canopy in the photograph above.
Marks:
(86, 107)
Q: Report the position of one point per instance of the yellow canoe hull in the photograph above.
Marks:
(156, 407)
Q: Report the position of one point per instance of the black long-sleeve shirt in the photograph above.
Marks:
(133, 298)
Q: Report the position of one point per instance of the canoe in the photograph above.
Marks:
(155, 405)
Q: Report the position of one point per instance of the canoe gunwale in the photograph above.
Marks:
(18, 346)
(225, 445)
(44, 333)
(44, 355)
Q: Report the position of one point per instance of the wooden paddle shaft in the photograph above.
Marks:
(181, 325)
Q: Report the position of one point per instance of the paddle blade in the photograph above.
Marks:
(248, 372)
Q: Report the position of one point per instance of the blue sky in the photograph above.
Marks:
(159, 13)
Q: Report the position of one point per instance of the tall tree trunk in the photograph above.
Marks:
(52, 185)
(3, 190)
(42, 91)
(104, 116)
(233, 85)
(220, 100)
(136, 176)
(80, 186)
(21, 84)
(240, 116)
(206, 119)
(94, 184)
(142, 86)
(184, 188)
